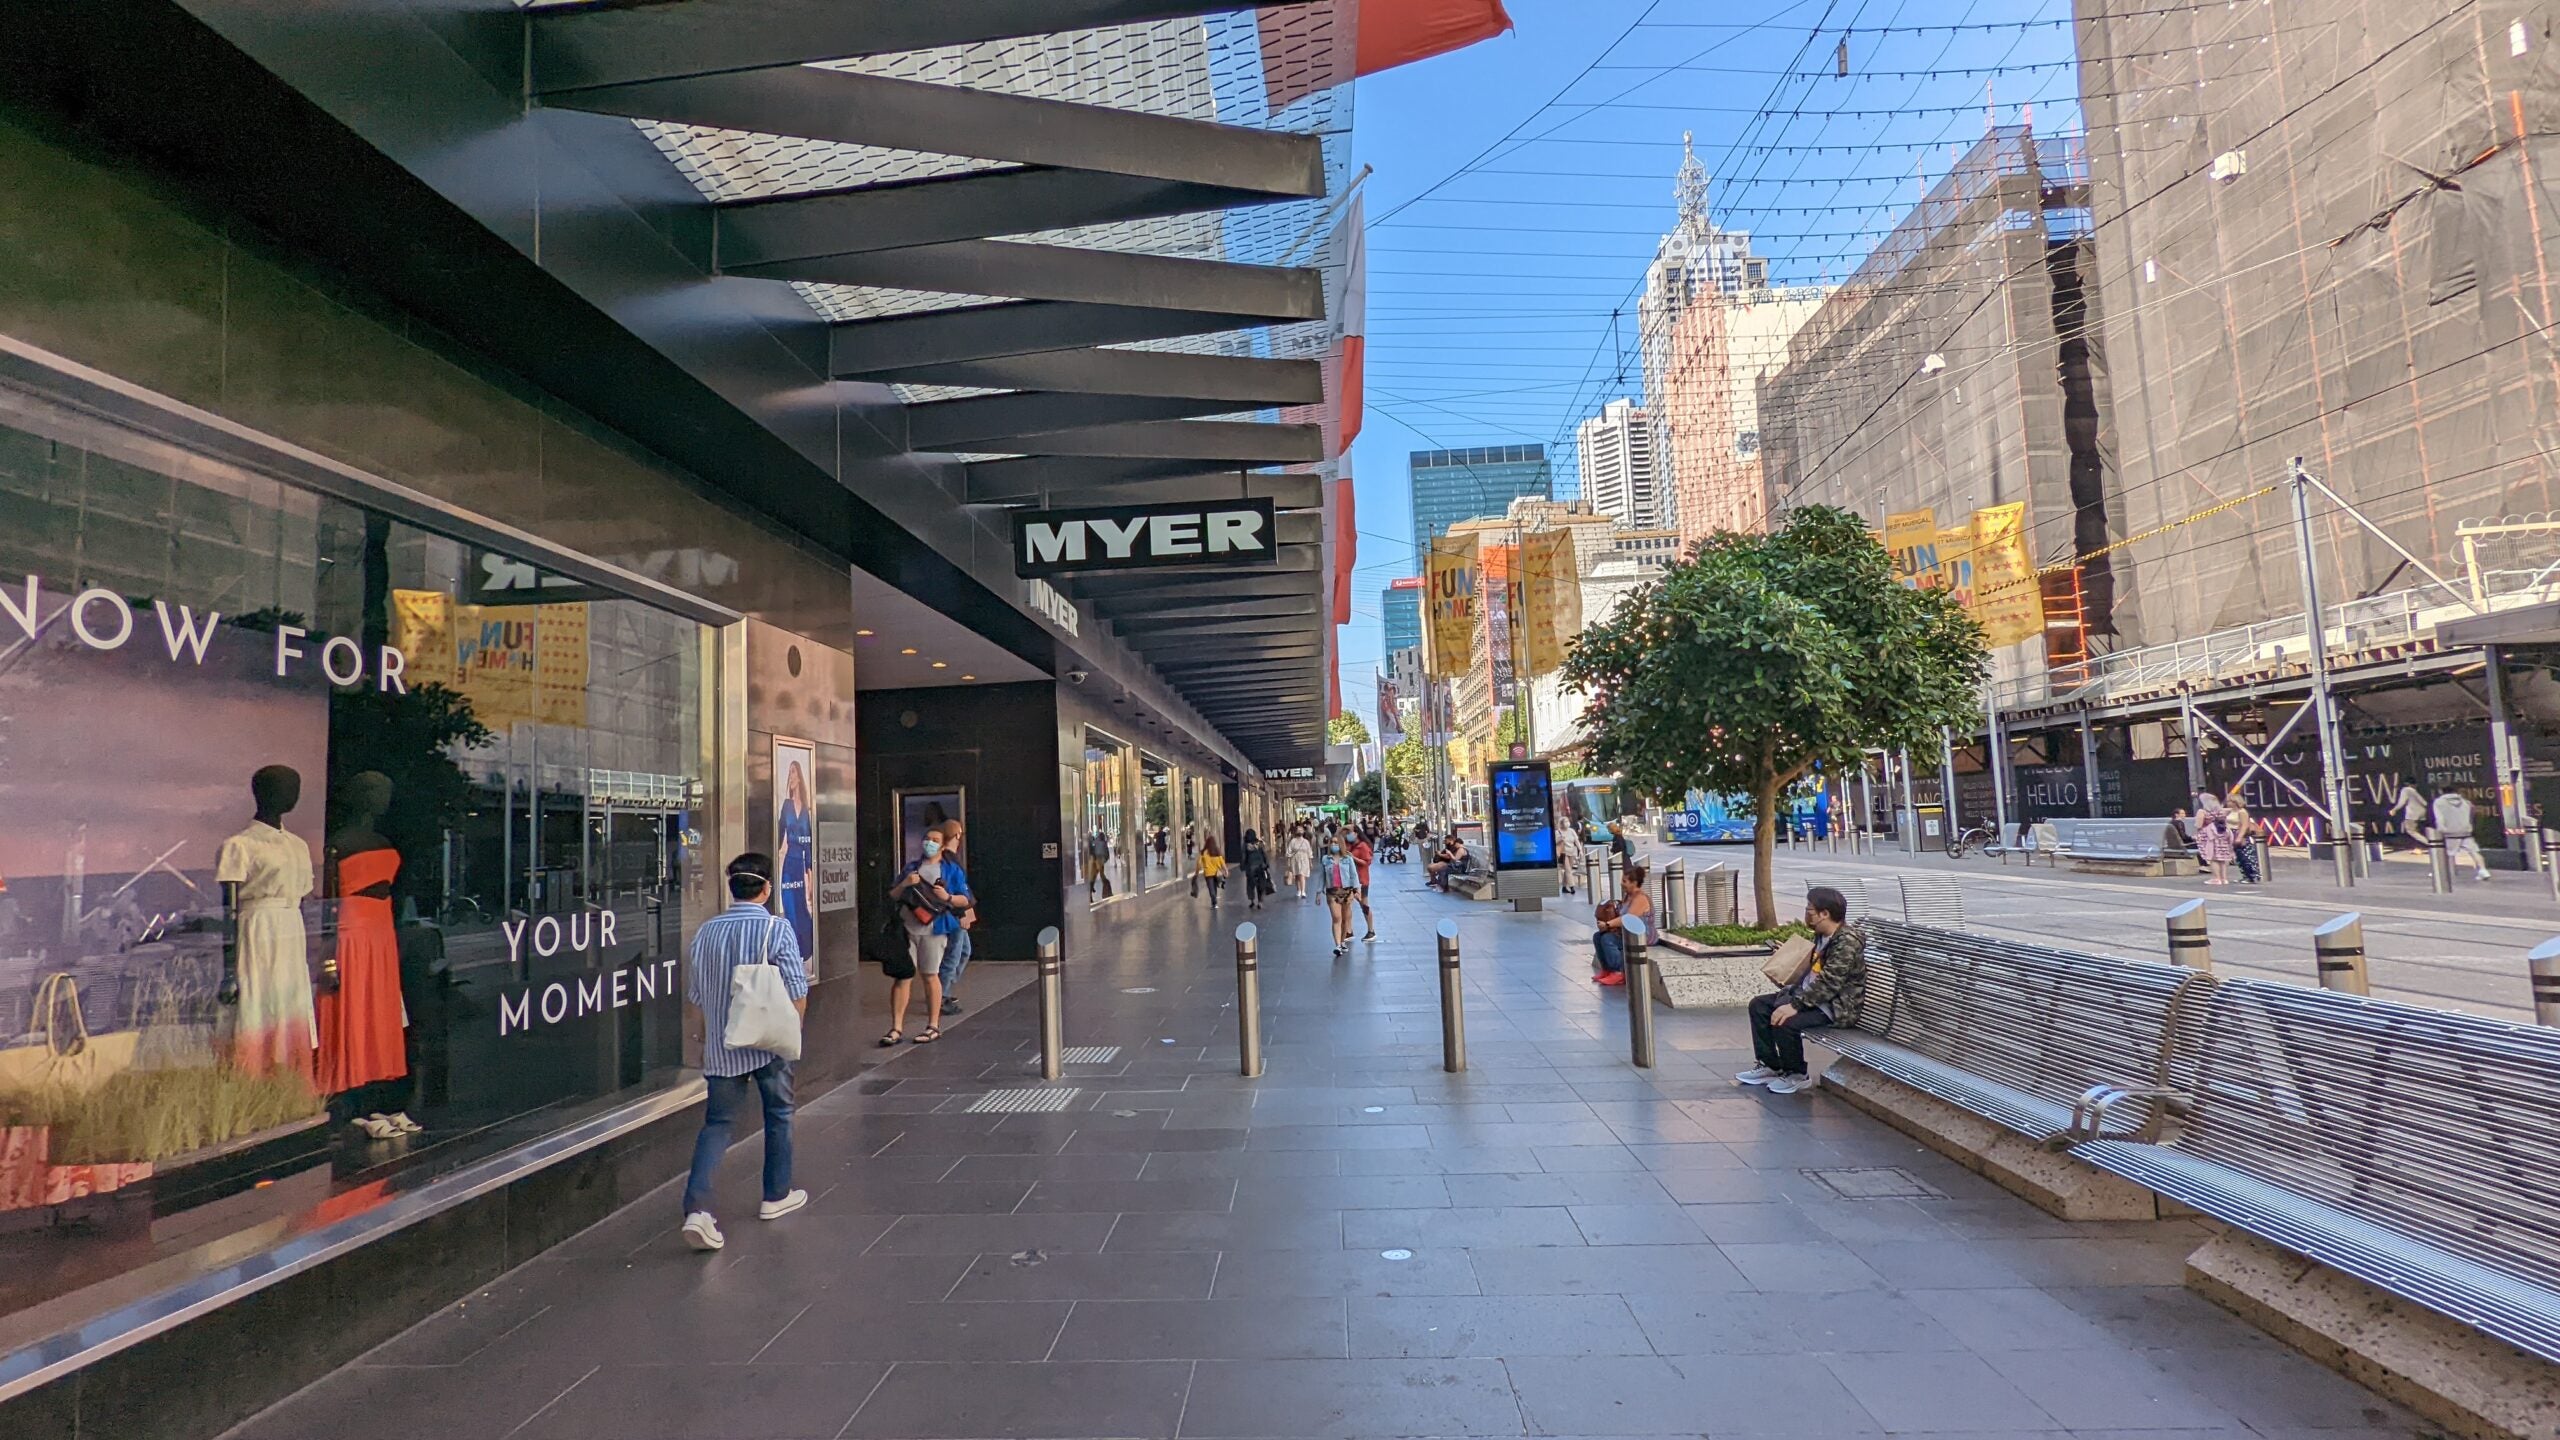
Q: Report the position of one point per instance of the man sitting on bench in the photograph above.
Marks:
(1827, 993)
(1454, 862)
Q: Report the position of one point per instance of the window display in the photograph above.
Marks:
(320, 876)
(1155, 839)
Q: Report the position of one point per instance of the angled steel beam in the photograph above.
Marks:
(1286, 492)
(598, 45)
(1026, 271)
(1180, 664)
(1241, 442)
(1028, 477)
(951, 207)
(1141, 631)
(853, 109)
(1116, 607)
(860, 349)
(1239, 584)
(1251, 383)
(986, 422)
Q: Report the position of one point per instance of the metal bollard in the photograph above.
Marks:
(1639, 995)
(2187, 943)
(2533, 851)
(2337, 952)
(2439, 864)
(1249, 999)
(1453, 1002)
(1675, 894)
(2266, 861)
(2544, 966)
(1053, 1036)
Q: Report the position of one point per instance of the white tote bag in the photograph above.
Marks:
(761, 1015)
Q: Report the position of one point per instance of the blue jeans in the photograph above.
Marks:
(955, 958)
(1609, 947)
(728, 1093)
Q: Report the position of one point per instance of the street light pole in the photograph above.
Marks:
(2333, 755)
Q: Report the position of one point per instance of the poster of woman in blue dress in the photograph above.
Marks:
(795, 842)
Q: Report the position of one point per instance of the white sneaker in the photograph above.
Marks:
(776, 1209)
(1757, 1075)
(1790, 1084)
(702, 1232)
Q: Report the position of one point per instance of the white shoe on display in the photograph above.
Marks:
(702, 1232)
(776, 1209)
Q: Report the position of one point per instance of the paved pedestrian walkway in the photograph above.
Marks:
(1355, 1245)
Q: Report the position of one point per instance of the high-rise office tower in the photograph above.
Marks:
(1454, 485)
(1620, 477)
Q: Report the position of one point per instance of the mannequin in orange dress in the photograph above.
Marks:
(361, 1022)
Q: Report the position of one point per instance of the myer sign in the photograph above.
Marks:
(1133, 537)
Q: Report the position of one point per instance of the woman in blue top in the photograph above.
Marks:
(798, 858)
(929, 894)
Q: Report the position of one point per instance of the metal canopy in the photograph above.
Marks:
(1013, 213)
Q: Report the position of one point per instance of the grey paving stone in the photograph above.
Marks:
(400, 1403)
(1134, 1275)
(1937, 1393)
(1656, 1395)
(1024, 1169)
(973, 1234)
(1349, 1272)
(872, 1327)
(1606, 1270)
(1348, 1399)
(1112, 1196)
(1461, 1227)
(1494, 1328)
(1998, 1321)
(2113, 1388)
(1240, 1164)
(966, 1400)
(1802, 1265)
(1260, 1228)
(705, 1402)
(1261, 1328)
(1655, 1224)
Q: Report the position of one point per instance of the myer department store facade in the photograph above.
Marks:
(373, 728)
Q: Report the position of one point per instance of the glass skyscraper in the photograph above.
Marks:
(1454, 485)
(1401, 603)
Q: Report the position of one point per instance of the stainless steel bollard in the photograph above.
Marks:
(2266, 861)
(1053, 1036)
(2544, 966)
(1639, 995)
(2533, 851)
(1674, 891)
(2337, 952)
(2439, 864)
(1249, 999)
(1453, 1002)
(2188, 945)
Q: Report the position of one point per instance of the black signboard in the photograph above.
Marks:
(1524, 816)
(1236, 533)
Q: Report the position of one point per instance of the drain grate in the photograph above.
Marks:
(1875, 1182)
(1022, 1101)
(1089, 1054)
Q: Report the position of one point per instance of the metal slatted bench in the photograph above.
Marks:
(2417, 1150)
(2016, 1034)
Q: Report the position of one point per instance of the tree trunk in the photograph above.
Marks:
(1764, 854)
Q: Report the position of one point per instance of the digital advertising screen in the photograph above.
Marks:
(1524, 816)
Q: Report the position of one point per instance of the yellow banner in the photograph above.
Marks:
(2007, 602)
(514, 663)
(1449, 606)
(1955, 564)
(1552, 598)
(1911, 538)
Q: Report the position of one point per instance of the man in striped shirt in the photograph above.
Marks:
(744, 934)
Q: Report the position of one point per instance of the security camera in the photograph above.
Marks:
(1076, 677)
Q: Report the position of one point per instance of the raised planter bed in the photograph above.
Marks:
(1691, 976)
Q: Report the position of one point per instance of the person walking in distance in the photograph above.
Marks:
(1301, 859)
(929, 895)
(2454, 822)
(1362, 852)
(1213, 867)
(746, 933)
(2409, 810)
(1256, 862)
(2244, 835)
(956, 955)
(1341, 882)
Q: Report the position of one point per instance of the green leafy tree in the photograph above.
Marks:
(1763, 656)
(1367, 795)
(1408, 766)
(1346, 729)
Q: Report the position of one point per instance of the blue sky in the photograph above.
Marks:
(1520, 185)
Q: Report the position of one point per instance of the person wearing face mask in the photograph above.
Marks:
(930, 895)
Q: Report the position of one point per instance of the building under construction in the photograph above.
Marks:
(2323, 230)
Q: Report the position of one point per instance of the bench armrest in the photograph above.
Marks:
(2089, 1112)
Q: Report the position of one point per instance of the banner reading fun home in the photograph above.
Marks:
(1449, 606)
